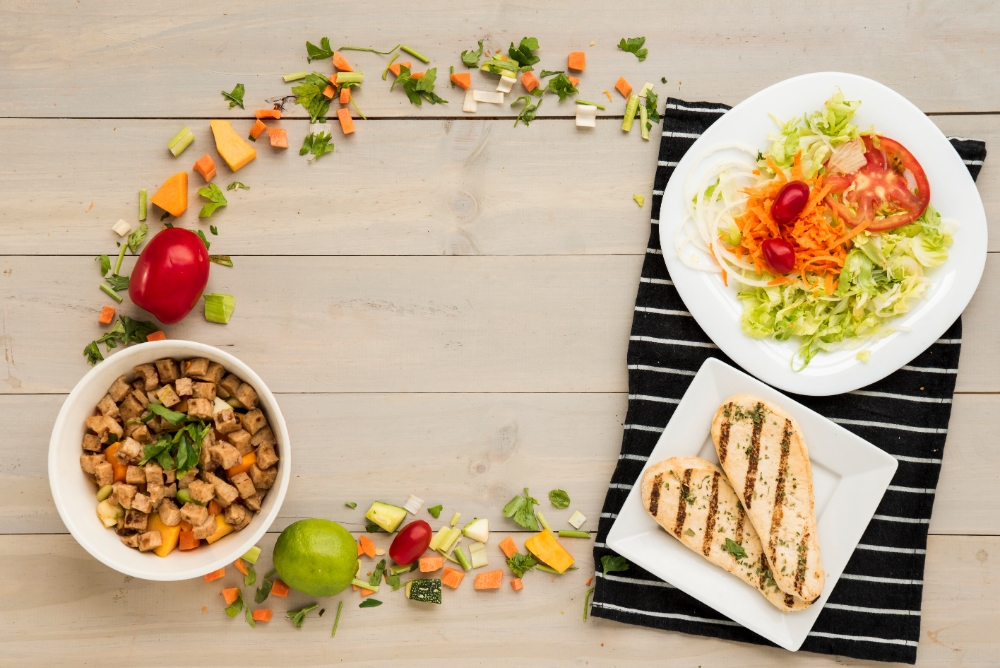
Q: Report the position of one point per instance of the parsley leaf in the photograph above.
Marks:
(214, 230)
(549, 73)
(213, 194)
(562, 86)
(236, 606)
(317, 144)
(521, 563)
(370, 603)
(249, 617)
(521, 510)
(651, 113)
(320, 52)
(435, 511)
(610, 564)
(371, 527)
(310, 96)
(471, 58)
(236, 97)
(376, 577)
(117, 283)
(634, 45)
(137, 237)
(235, 185)
(735, 549)
(393, 581)
(93, 353)
(522, 54)
(527, 114)
(125, 331)
(105, 264)
(224, 260)
(351, 504)
(136, 331)
(689, 532)
(559, 498)
(299, 616)
(420, 89)
(263, 591)
(208, 244)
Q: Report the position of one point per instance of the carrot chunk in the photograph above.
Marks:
(215, 575)
(158, 335)
(241, 566)
(107, 315)
(206, 167)
(328, 92)
(185, 526)
(508, 547)
(230, 594)
(452, 577)
(573, 80)
(346, 122)
(431, 564)
(268, 113)
(340, 63)
(529, 81)
(118, 469)
(463, 80)
(188, 541)
(394, 68)
(367, 592)
(367, 546)
(258, 129)
(345, 95)
(262, 615)
(577, 60)
(516, 584)
(489, 580)
(279, 588)
(215, 509)
(623, 87)
(279, 137)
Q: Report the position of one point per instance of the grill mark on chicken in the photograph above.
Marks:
(713, 510)
(724, 435)
(752, 460)
(741, 516)
(800, 571)
(789, 600)
(777, 514)
(682, 504)
(654, 496)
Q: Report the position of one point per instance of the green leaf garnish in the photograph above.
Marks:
(235, 185)
(125, 331)
(204, 239)
(634, 45)
(521, 563)
(317, 144)
(321, 52)
(527, 114)
(522, 54)
(521, 510)
(559, 498)
(299, 616)
(213, 194)
(420, 89)
(562, 86)
(105, 264)
(310, 96)
(263, 591)
(735, 549)
(236, 97)
(549, 73)
(370, 603)
(236, 606)
(435, 511)
(610, 564)
(471, 58)
(351, 504)
(214, 230)
(137, 237)
(224, 260)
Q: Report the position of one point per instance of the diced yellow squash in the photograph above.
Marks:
(548, 550)
(169, 535)
(232, 147)
(222, 529)
(172, 196)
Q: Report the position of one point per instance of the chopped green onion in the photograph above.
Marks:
(219, 307)
(462, 559)
(358, 109)
(592, 104)
(416, 54)
(350, 77)
(295, 76)
(252, 555)
(111, 293)
(385, 72)
(142, 204)
(630, 109)
(451, 70)
(104, 492)
(181, 141)
(336, 620)
(368, 49)
(565, 533)
(121, 256)
(541, 520)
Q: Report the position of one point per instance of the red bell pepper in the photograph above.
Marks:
(170, 274)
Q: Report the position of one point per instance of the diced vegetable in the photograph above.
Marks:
(424, 591)
(367, 588)
(206, 167)
(278, 137)
(489, 580)
(449, 541)
(573, 80)
(505, 84)
(109, 512)
(233, 149)
(188, 541)
(231, 594)
(452, 577)
(340, 63)
(156, 336)
(462, 80)
(219, 307)
(542, 521)
(529, 81)
(462, 559)
(345, 95)
(346, 122)
(294, 76)
(329, 92)
(413, 504)
(586, 116)
(104, 492)
(516, 584)
(477, 555)
(454, 519)
(547, 549)
(608, 93)
(107, 315)
(508, 547)
(395, 68)
(180, 141)
(386, 515)
(564, 533)
(643, 123)
(367, 546)
(117, 467)
(416, 54)
(268, 113)
(260, 615)
(172, 196)
(251, 555)
(222, 528)
(215, 575)
(623, 87)
(630, 109)
(577, 519)
(350, 77)
(121, 228)
(241, 566)
(248, 460)
(487, 97)
(577, 60)
(279, 589)
(142, 204)
(169, 535)
(259, 128)
(477, 529)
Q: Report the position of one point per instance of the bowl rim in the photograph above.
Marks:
(141, 354)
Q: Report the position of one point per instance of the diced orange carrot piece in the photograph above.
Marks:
(279, 137)
(360, 551)
(262, 615)
(345, 95)
(186, 526)
(268, 113)
(355, 587)
(431, 564)
(241, 566)
(508, 547)
(340, 63)
(416, 75)
(230, 594)
(366, 592)
(346, 122)
(188, 541)
(215, 509)
(489, 580)
(118, 469)
(462, 79)
(257, 130)
(394, 68)
(328, 91)
(529, 81)
(589, 580)
(367, 546)
(206, 167)
(279, 588)
(107, 315)
(516, 584)
(623, 87)
(215, 575)
(573, 80)
(452, 578)
(577, 60)
(158, 335)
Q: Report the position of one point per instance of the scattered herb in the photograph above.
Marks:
(136, 238)
(735, 549)
(562, 86)
(351, 504)
(263, 591)
(385, 72)
(271, 573)
(521, 510)
(549, 73)
(236, 97)
(370, 603)
(299, 616)
(235, 185)
(435, 511)
(522, 54)
(224, 260)
(105, 264)
(117, 283)
(166, 214)
(336, 620)
(471, 58)
(371, 527)
(420, 89)
(521, 563)
(586, 602)
(111, 293)
(376, 577)
(204, 239)
(309, 94)
(498, 65)
(634, 45)
(321, 52)
(393, 581)
(213, 194)
(559, 498)
(219, 307)
(689, 532)
(236, 606)
(249, 617)
(250, 579)
(317, 144)
(663, 79)
(125, 331)
(651, 113)
(610, 564)
(416, 54)
(527, 114)
(214, 230)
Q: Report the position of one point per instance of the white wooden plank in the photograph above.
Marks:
(62, 607)
(66, 58)
(469, 452)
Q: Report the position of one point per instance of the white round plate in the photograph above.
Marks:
(953, 193)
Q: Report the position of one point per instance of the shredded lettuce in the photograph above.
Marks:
(816, 135)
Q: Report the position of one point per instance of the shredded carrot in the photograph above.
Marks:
(777, 170)
(829, 284)
(608, 93)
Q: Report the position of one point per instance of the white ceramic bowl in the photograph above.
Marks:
(75, 494)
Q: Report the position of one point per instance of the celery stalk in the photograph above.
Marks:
(449, 541)
(438, 537)
(416, 54)
(350, 77)
(219, 307)
(454, 518)
(592, 104)
(121, 256)
(364, 584)
(564, 533)
(295, 76)
(630, 109)
(462, 559)
(111, 293)
(643, 120)
(142, 204)
(252, 555)
(180, 141)
(385, 72)
(541, 520)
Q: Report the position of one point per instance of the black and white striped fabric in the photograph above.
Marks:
(874, 611)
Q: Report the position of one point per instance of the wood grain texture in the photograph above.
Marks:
(469, 452)
(103, 617)
(549, 189)
(93, 59)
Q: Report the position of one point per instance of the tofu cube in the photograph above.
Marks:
(187, 479)
(225, 422)
(266, 456)
(135, 475)
(132, 540)
(169, 513)
(167, 370)
(150, 540)
(240, 440)
(142, 503)
(246, 395)
(243, 485)
(102, 425)
(108, 407)
(205, 391)
(124, 494)
(263, 436)
(254, 502)
(238, 516)
(88, 462)
(253, 421)
(131, 451)
(135, 519)
(141, 434)
(206, 528)
(91, 443)
(225, 455)
(194, 514)
(119, 389)
(184, 387)
(214, 374)
(263, 478)
(154, 474)
(202, 492)
(167, 396)
(225, 493)
(150, 378)
(104, 474)
(197, 366)
(200, 408)
(156, 494)
(227, 388)
(130, 408)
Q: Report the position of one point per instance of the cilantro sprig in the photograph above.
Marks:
(634, 45)
(521, 509)
(527, 114)
(523, 55)
(317, 144)
(562, 86)
(418, 90)
(309, 94)
(521, 563)
(653, 116)
(215, 197)
(125, 331)
(236, 97)
(321, 52)
(471, 58)
(177, 451)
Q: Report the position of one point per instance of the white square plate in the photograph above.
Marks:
(850, 475)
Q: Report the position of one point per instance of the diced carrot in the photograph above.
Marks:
(489, 580)
(452, 578)
(258, 129)
(508, 547)
(279, 137)
(249, 459)
(118, 469)
(345, 95)
(529, 81)
(366, 592)
(215, 575)
(262, 615)
(573, 80)
(186, 526)
(188, 541)
(516, 584)
(107, 315)
(328, 91)
(367, 546)
(463, 80)
(268, 113)
(279, 588)
(206, 166)
(230, 594)
(172, 196)
(623, 87)
(340, 63)
(241, 566)
(431, 564)
(346, 122)
(417, 75)
(158, 335)
(355, 587)
(577, 60)
(215, 509)
(394, 68)
(360, 551)
(589, 580)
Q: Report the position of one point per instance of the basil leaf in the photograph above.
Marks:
(370, 603)
(559, 498)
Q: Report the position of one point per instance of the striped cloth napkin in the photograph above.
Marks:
(874, 611)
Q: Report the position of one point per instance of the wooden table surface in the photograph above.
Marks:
(442, 305)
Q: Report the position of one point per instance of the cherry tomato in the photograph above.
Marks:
(881, 185)
(789, 202)
(411, 542)
(170, 274)
(779, 254)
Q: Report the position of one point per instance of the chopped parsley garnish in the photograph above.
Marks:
(317, 144)
(117, 283)
(321, 52)
(521, 510)
(213, 194)
(634, 45)
(559, 498)
(371, 527)
(309, 94)
(527, 114)
(214, 230)
(418, 90)
(610, 564)
(521, 563)
(299, 616)
(735, 549)
(125, 331)
(562, 86)
(651, 113)
(522, 54)
(236, 97)
(689, 532)
(263, 591)
(370, 603)
(376, 577)
(435, 511)
(250, 578)
(235, 185)
(137, 237)
(471, 58)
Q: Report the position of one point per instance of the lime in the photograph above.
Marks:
(316, 557)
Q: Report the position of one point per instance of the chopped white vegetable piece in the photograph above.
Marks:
(645, 89)
(577, 519)
(586, 116)
(219, 406)
(470, 102)
(413, 504)
(121, 228)
(505, 84)
(477, 555)
(379, 552)
(487, 97)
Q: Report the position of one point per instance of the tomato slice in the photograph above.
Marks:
(881, 186)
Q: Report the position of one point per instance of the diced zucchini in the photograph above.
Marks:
(478, 529)
(396, 569)
(425, 591)
(386, 515)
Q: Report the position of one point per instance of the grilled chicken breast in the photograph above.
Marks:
(765, 458)
(691, 498)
